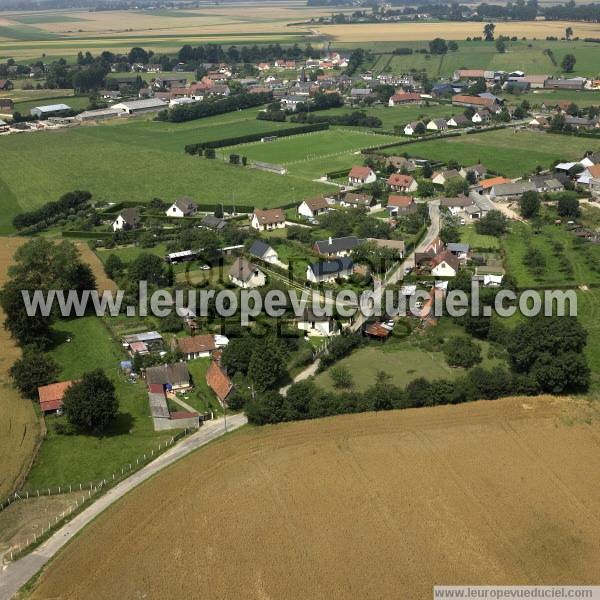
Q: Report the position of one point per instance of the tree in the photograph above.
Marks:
(426, 170)
(147, 267)
(568, 206)
(420, 129)
(33, 370)
(568, 63)
(452, 46)
(488, 32)
(456, 186)
(91, 404)
(449, 234)
(438, 46)
(568, 32)
(113, 266)
(218, 212)
(500, 46)
(266, 408)
(530, 204)
(461, 351)
(236, 355)
(493, 223)
(425, 188)
(341, 377)
(266, 364)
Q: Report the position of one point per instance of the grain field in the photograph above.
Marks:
(359, 506)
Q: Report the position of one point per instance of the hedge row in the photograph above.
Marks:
(254, 137)
(407, 142)
(91, 235)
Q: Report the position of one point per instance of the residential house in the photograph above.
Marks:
(262, 250)
(219, 382)
(353, 200)
(315, 325)
(588, 175)
(169, 81)
(336, 247)
(539, 122)
(51, 396)
(396, 245)
(360, 93)
(6, 105)
(400, 98)
(478, 170)
(212, 222)
(458, 121)
(456, 205)
(6, 85)
(411, 128)
(246, 275)
(401, 205)
(481, 116)
(402, 183)
(445, 264)
(437, 125)
(330, 270)
(184, 207)
(461, 251)
(361, 175)
(480, 207)
(266, 220)
(197, 346)
(547, 183)
(442, 177)
(128, 218)
(511, 191)
(313, 207)
(291, 102)
(174, 376)
(485, 185)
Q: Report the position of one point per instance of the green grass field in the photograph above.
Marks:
(71, 459)
(75, 102)
(476, 240)
(583, 258)
(508, 151)
(311, 155)
(588, 312)
(137, 160)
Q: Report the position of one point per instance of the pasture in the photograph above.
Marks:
(370, 505)
(137, 160)
(508, 151)
(19, 423)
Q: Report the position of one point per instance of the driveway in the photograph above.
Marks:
(16, 574)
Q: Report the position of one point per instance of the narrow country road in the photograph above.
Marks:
(305, 374)
(16, 574)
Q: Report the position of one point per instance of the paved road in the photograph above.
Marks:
(16, 574)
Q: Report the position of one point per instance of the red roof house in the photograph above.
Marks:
(218, 381)
(51, 396)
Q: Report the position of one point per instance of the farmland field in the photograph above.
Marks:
(508, 151)
(370, 505)
(137, 161)
(19, 423)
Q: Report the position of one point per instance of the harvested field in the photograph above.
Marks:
(19, 424)
(358, 506)
(91, 258)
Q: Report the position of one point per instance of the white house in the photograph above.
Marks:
(184, 207)
(128, 218)
(263, 251)
(246, 275)
(442, 177)
(411, 128)
(445, 264)
(402, 183)
(361, 175)
(481, 116)
(458, 121)
(437, 125)
(330, 270)
(317, 326)
(313, 207)
(266, 220)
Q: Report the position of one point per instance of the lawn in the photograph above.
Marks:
(136, 161)
(74, 459)
(75, 102)
(588, 311)
(508, 151)
(202, 398)
(477, 241)
(404, 360)
(310, 155)
(556, 244)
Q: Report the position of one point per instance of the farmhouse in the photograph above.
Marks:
(437, 125)
(445, 264)
(139, 107)
(313, 207)
(49, 110)
(219, 382)
(589, 174)
(174, 376)
(401, 205)
(361, 175)
(511, 191)
(402, 183)
(547, 183)
(265, 220)
(197, 346)
(246, 275)
(315, 325)
(263, 251)
(51, 396)
(456, 205)
(128, 218)
(404, 98)
(330, 270)
(184, 207)
(475, 102)
(337, 247)
(485, 185)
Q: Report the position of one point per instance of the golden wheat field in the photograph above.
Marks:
(359, 506)
(19, 425)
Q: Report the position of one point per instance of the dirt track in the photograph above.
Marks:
(360, 506)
